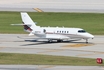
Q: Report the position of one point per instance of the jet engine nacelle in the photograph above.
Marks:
(39, 32)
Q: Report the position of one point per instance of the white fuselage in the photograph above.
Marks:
(61, 33)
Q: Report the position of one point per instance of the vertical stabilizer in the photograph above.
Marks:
(26, 18)
(27, 21)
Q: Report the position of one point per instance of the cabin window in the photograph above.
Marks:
(62, 31)
(67, 31)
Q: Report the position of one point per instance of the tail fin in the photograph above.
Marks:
(27, 21)
(27, 29)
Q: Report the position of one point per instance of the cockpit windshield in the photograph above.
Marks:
(81, 31)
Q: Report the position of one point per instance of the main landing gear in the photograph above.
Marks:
(50, 41)
(59, 40)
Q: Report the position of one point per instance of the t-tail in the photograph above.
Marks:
(28, 23)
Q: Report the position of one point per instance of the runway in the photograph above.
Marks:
(49, 67)
(9, 43)
(89, 6)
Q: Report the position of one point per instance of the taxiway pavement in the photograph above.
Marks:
(10, 43)
(94, 6)
(49, 67)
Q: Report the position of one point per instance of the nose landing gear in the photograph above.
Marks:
(86, 41)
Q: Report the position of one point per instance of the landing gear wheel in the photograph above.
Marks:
(86, 41)
(49, 41)
(59, 40)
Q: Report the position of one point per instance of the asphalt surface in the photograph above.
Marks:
(92, 6)
(49, 67)
(10, 43)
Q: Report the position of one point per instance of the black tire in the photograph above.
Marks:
(59, 40)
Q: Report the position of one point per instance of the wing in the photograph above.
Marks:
(47, 36)
(52, 37)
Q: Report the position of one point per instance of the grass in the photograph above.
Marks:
(35, 59)
(91, 22)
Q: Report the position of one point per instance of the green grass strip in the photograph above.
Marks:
(91, 22)
(35, 59)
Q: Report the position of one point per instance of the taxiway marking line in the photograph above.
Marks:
(77, 45)
(38, 10)
(50, 51)
(95, 53)
(2, 48)
(44, 67)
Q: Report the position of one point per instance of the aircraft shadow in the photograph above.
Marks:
(46, 42)
(38, 43)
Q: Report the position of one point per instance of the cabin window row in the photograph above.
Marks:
(62, 31)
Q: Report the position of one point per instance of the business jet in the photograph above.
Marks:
(53, 33)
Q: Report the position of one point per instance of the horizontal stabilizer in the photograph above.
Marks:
(20, 24)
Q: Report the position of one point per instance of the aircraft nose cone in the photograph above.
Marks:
(91, 36)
